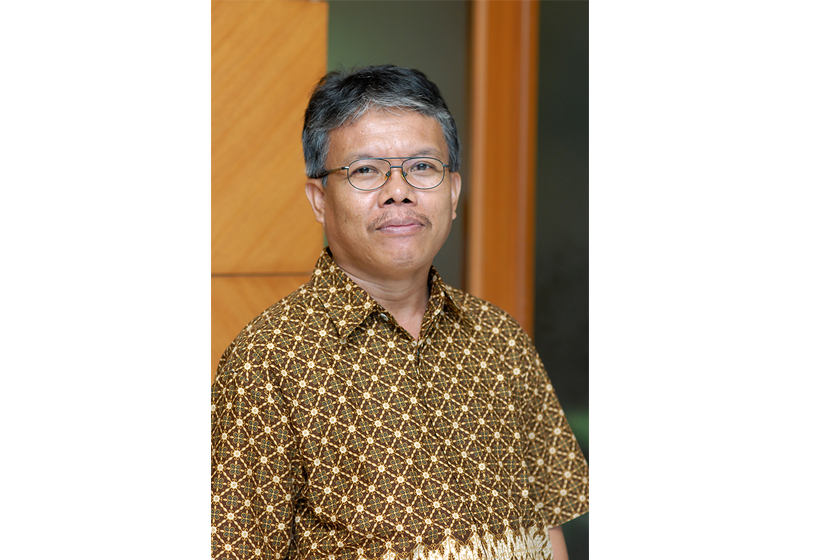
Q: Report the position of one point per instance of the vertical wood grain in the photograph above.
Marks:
(500, 219)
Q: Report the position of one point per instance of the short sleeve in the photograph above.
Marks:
(256, 473)
(557, 471)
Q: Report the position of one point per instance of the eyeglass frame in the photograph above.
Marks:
(388, 175)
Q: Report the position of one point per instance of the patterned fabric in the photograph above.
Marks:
(336, 435)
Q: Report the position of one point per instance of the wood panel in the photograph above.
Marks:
(266, 58)
(500, 219)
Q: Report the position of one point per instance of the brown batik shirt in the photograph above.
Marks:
(336, 435)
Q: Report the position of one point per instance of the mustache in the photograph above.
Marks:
(410, 214)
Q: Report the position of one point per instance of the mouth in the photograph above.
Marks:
(400, 225)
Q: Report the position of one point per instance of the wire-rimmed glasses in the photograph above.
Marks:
(370, 174)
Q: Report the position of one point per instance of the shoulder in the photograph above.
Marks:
(489, 318)
(283, 315)
(498, 335)
(263, 333)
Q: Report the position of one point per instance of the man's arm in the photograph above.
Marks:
(256, 474)
(558, 543)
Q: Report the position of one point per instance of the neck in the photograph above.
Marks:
(405, 298)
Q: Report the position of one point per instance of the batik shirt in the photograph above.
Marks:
(337, 435)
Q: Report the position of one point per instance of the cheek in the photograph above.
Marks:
(344, 215)
(443, 209)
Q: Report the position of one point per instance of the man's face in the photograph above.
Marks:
(384, 234)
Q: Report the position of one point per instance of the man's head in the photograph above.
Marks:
(341, 98)
(381, 154)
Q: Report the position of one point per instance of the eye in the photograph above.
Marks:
(366, 168)
(422, 166)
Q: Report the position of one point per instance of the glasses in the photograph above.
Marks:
(372, 173)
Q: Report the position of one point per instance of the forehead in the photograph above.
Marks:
(387, 133)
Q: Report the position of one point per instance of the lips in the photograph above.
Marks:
(401, 224)
(398, 223)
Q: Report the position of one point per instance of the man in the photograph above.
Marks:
(377, 412)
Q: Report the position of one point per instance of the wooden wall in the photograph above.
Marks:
(266, 58)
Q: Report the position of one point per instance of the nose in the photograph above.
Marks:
(396, 189)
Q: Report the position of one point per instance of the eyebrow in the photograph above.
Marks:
(428, 152)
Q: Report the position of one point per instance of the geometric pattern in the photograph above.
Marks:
(337, 435)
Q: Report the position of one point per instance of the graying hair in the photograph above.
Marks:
(343, 97)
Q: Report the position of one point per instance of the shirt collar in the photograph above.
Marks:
(348, 305)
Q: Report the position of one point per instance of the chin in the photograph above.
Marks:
(406, 258)
(402, 259)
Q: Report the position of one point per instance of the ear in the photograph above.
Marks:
(316, 195)
(455, 182)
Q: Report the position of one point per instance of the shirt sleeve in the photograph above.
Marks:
(557, 471)
(256, 474)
